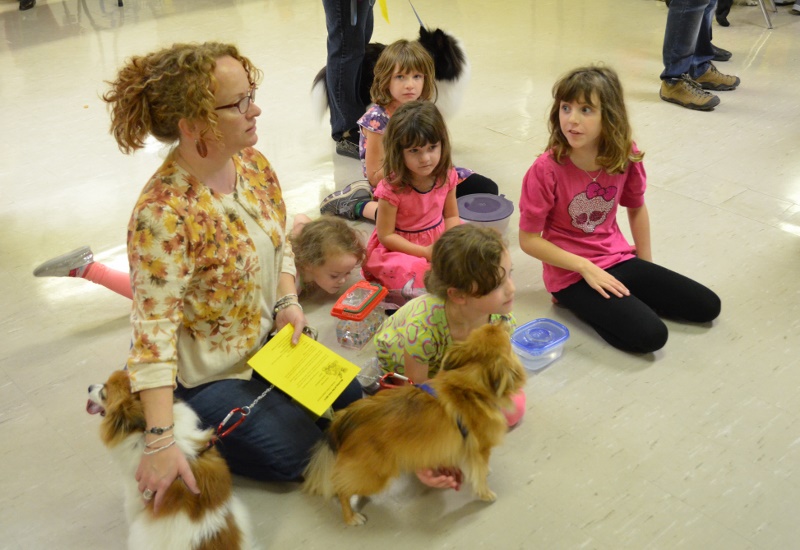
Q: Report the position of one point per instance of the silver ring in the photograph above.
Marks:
(147, 494)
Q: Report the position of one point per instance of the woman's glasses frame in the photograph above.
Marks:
(243, 104)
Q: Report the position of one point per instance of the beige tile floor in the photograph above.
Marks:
(694, 447)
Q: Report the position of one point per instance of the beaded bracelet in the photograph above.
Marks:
(159, 431)
(279, 307)
(287, 298)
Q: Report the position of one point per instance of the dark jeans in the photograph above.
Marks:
(687, 38)
(346, 46)
(632, 323)
(275, 439)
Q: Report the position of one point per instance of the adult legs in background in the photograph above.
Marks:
(687, 53)
(632, 323)
(687, 38)
(346, 44)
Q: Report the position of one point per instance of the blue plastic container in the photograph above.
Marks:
(539, 343)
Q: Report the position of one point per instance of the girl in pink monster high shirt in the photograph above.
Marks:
(568, 220)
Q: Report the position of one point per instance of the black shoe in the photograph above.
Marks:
(720, 54)
(722, 21)
(347, 148)
(26, 4)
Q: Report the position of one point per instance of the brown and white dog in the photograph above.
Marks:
(454, 420)
(213, 519)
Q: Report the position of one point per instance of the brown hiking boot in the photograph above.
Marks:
(687, 93)
(712, 79)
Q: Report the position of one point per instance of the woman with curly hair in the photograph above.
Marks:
(212, 271)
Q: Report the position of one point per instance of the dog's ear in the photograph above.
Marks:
(504, 374)
(457, 356)
(502, 370)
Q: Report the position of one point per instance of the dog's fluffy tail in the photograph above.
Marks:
(319, 96)
(319, 472)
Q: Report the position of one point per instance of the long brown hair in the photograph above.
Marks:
(587, 85)
(151, 93)
(414, 124)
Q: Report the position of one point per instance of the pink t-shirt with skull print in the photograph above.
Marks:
(578, 214)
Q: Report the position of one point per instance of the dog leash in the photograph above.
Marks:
(421, 24)
(244, 411)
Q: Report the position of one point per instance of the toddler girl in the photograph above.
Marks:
(326, 251)
(568, 220)
(417, 199)
(404, 72)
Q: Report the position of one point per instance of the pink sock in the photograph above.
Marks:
(517, 410)
(112, 279)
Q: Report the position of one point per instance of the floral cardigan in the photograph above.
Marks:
(197, 292)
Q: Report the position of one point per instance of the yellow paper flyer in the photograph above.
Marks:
(310, 373)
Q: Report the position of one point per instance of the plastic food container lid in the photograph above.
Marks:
(539, 336)
(359, 301)
(484, 207)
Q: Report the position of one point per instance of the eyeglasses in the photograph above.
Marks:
(243, 104)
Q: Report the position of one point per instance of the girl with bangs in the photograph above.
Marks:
(416, 200)
(568, 220)
(404, 72)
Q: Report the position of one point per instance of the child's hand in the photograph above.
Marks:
(427, 252)
(603, 282)
(441, 478)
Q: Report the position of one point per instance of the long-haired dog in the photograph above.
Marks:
(455, 419)
(449, 61)
(213, 519)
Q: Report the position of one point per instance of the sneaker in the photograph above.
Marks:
(721, 54)
(71, 264)
(343, 203)
(712, 79)
(795, 11)
(687, 93)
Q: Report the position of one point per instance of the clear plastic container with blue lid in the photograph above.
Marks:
(539, 342)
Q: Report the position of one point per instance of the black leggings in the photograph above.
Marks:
(632, 323)
(475, 183)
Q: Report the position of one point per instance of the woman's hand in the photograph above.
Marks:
(441, 478)
(603, 282)
(291, 315)
(157, 471)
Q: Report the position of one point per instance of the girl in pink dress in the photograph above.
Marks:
(416, 201)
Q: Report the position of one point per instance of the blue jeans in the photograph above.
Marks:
(275, 439)
(687, 38)
(347, 45)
